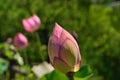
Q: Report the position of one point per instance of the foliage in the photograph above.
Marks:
(3, 65)
(84, 72)
(96, 23)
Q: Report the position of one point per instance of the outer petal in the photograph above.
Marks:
(68, 52)
(66, 34)
(53, 48)
(36, 19)
(54, 42)
(77, 66)
(61, 65)
(31, 22)
(26, 25)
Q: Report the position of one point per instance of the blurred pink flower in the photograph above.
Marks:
(20, 40)
(9, 40)
(63, 51)
(32, 23)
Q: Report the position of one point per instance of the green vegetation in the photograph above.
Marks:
(97, 25)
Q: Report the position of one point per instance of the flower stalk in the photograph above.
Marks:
(70, 75)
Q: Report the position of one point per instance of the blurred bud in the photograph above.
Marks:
(8, 41)
(20, 40)
(74, 34)
(32, 23)
(63, 51)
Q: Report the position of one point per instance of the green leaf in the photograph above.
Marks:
(9, 54)
(55, 75)
(3, 65)
(43, 78)
(84, 72)
(1, 45)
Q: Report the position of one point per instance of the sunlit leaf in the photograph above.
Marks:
(9, 54)
(84, 72)
(43, 78)
(55, 75)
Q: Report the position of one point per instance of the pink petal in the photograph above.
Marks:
(26, 25)
(31, 22)
(57, 30)
(20, 40)
(36, 19)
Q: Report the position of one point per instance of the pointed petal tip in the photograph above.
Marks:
(57, 30)
(57, 26)
(56, 23)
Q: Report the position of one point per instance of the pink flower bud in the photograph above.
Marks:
(9, 40)
(20, 40)
(32, 23)
(63, 51)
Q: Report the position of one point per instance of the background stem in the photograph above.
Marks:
(39, 44)
(38, 38)
(26, 62)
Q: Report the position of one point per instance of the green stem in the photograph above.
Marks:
(38, 43)
(70, 75)
(38, 38)
(25, 57)
(26, 62)
(28, 7)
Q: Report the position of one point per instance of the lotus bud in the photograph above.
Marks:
(20, 40)
(32, 23)
(63, 51)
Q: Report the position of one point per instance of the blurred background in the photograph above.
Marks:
(96, 22)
